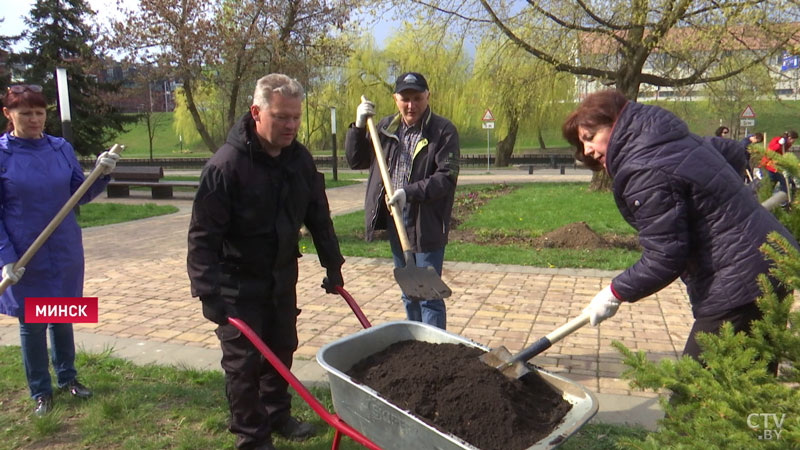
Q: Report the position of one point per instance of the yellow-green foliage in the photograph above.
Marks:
(211, 110)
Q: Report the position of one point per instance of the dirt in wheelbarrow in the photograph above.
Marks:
(449, 388)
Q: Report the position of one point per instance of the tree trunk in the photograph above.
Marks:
(541, 139)
(505, 147)
(198, 122)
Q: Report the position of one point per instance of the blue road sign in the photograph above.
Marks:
(790, 62)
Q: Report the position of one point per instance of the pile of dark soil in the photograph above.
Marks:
(576, 235)
(573, 235)
(449, 388)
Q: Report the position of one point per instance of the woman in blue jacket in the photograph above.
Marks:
(695, 217)
(38, 174)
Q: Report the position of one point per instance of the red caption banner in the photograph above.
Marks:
(61, 310)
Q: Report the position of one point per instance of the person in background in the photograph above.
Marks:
(778, 144)
(255, 194)
(422, 153)
(722, 131)
(696, 219)
(754, 138)
(39, 175)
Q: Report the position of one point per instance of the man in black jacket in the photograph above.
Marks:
(422, 154)
(255, 193)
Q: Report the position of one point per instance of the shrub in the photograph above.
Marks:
(732, 401)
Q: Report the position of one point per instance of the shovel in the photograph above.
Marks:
(515, 366)
(418, 283)
(59, 217)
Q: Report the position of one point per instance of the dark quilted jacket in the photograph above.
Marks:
(695, 217)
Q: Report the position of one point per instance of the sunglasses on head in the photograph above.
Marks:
(20, 88)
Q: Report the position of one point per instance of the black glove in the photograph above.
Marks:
(333, 279)
(214, 309)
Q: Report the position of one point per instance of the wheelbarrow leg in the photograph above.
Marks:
(337, 438)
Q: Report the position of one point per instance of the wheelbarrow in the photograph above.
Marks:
(332, 419)
(391, 427)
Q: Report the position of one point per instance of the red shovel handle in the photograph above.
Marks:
(333, 420)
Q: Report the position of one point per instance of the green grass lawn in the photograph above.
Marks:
(95, 214)
(156, 407)
(772, 117)
(532, 209)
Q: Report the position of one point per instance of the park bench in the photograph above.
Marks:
(548, 161)
(123, 177)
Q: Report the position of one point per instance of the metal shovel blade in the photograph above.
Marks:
(420, 283)
(515, 366)
(501, 359)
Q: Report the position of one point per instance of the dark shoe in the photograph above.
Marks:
(44, 403)
(76, 389)
(294, 429)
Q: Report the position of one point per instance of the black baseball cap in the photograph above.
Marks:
(410, 80)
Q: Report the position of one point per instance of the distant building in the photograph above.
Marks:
(595, 46)
(137, 95)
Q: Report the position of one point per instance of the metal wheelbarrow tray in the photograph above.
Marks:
(391, 427)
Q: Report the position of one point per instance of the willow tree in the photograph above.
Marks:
(615, 42)
(439, 56)
(372, 72)
(523, 92)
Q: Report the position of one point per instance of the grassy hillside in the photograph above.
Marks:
(166, 143)
(771, 117)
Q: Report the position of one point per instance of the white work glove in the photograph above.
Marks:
(398, 198)
(107, 161)
(13, 275)
(602, 306)
(365, 109)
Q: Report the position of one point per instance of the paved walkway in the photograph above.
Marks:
(138, 271)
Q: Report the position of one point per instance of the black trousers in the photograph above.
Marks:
(741, 319)
(257, 394)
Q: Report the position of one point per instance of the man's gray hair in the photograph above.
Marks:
(277, 83)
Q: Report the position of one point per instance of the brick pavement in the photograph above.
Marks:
(137, 269)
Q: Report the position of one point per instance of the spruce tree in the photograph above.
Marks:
(59, 37)
(732, 400)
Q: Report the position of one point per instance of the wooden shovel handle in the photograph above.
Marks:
(59, 217)
(397, 214)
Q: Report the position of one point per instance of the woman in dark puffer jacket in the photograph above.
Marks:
(695, 217)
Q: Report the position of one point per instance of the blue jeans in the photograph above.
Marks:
(33, 337)
(431, 312)
(779, 180)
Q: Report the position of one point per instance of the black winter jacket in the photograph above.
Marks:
(248, 212)
(695, 217)
(431, 186)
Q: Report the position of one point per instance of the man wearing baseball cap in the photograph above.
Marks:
(422, 152)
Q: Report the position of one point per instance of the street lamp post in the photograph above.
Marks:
(334, 161)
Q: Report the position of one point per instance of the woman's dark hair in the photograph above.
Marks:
(597, 110)
(790, 134)
(721, 130)
(29, 98)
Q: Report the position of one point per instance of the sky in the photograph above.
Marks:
(14, 11)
